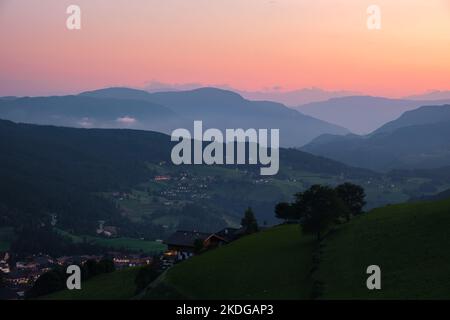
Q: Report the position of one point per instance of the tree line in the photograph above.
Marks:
(320, 206)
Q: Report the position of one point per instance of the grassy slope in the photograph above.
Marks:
(410, 244)
(273, 264)
(118, 285)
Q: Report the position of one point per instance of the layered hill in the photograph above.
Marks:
(86, 175)
(363, 114)
(166, 111)
(88, 112)
(416, 140)
(224, 109)
(421, 116)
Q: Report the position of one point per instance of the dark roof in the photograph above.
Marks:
(185, 238)
(229, 234)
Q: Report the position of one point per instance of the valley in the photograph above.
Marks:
(87, 191)
(156, 197)
(199, 151)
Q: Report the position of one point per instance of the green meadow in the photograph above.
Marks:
(273, 264)
(409, 242)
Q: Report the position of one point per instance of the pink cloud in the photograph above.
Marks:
(126, 120)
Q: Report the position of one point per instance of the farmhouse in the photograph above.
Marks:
(182, 244)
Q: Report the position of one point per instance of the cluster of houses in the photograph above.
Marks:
(184, 187)
(21, 275)
(130, 260)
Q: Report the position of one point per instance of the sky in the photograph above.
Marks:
(249, 45)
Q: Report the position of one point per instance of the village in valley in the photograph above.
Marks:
(19, 276)
(162, 200)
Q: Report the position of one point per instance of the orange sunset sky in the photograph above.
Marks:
(244, 44)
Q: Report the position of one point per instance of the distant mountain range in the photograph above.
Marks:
(278, 94)
(166, 111)
(363, 114)
(421, 116)
(419, 139)
(416, 139)
(296, 97)
(432, 95)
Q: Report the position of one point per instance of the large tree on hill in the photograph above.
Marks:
(353, 196)
(318, 207)
(249, 222)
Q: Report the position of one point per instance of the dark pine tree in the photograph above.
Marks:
(249, 222)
